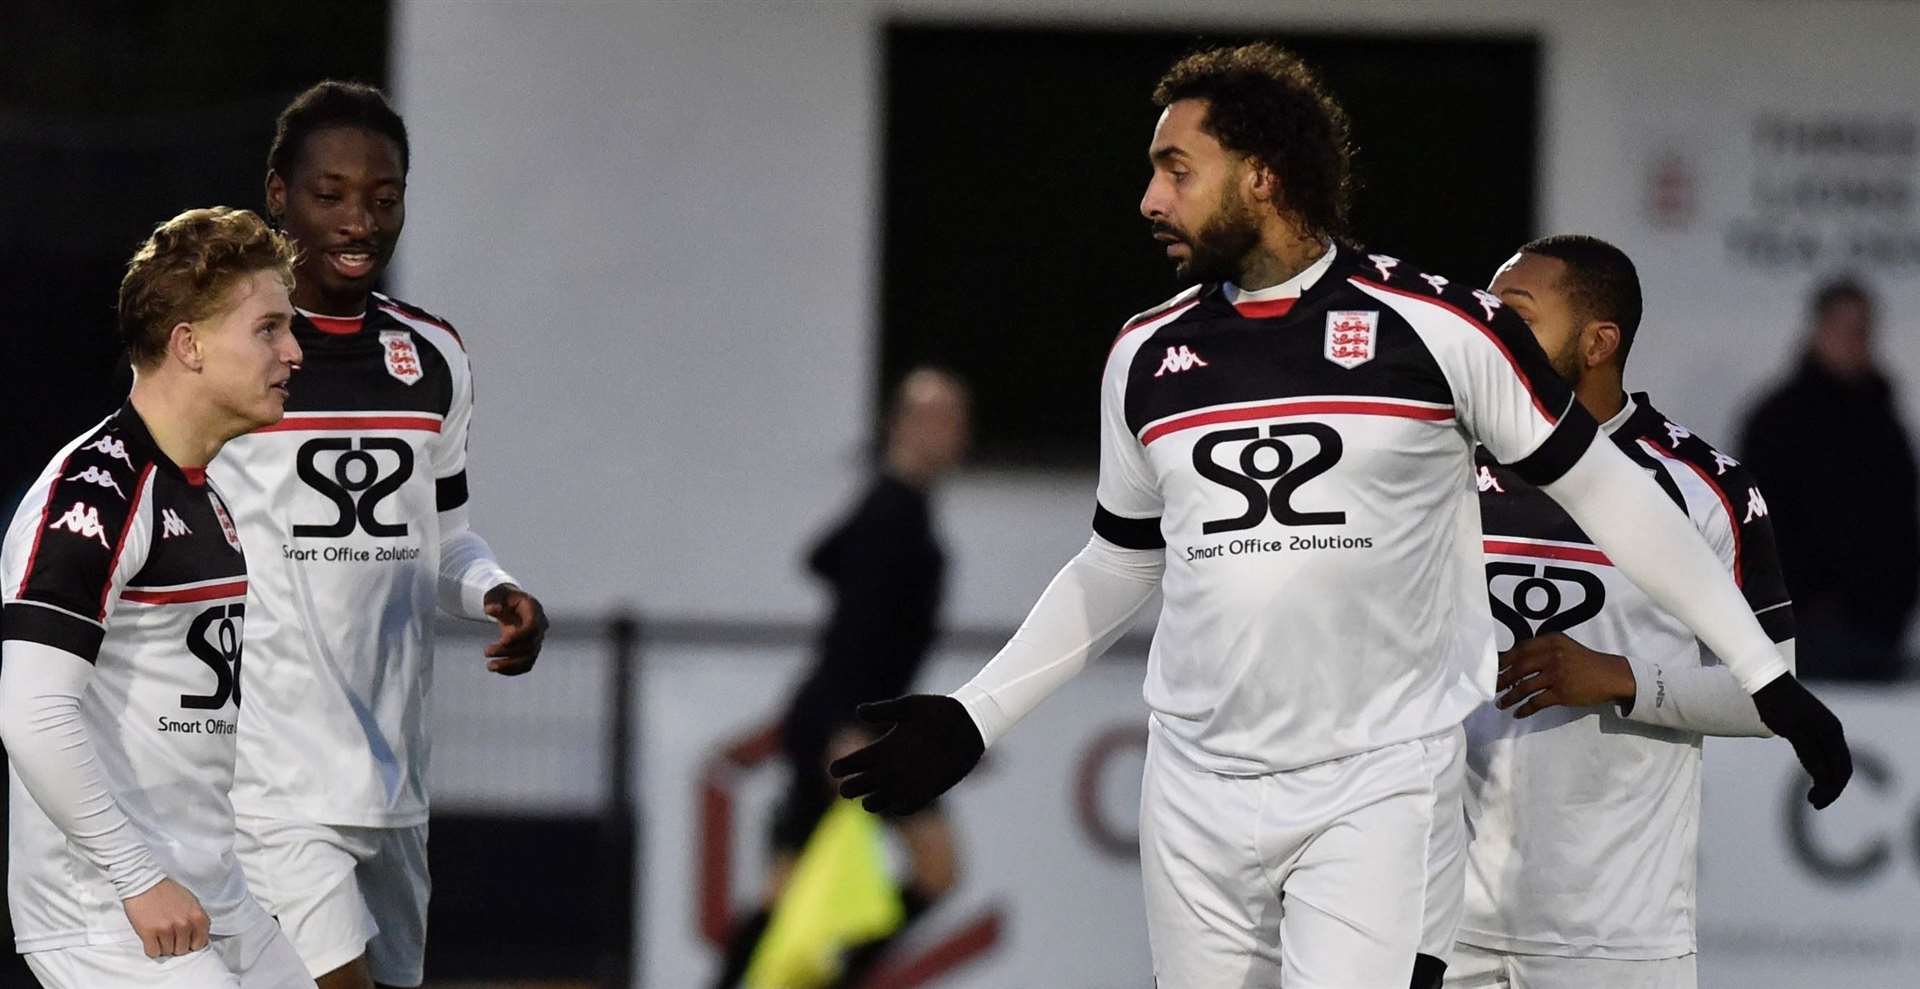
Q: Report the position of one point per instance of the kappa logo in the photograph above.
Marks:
(1675, 434)
(1490, 483)
(1178, 359)
(94, 475)
(1351, 336)
(1722, 462)
(1384, 265)
(1438, 284)
(111, 447)
(403, 361)
(83, 521)
(226, 521)
(171, 525)
(1756, 506)
(1488, 301)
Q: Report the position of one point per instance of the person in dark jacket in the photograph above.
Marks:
(1838, 468)
(886, 570)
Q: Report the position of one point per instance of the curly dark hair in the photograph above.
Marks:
(334, 104)
(1263, 102)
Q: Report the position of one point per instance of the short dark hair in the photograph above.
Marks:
(1600, 280)
(183, 271)
(1839, 290)
(1263, 102)
(328, 104)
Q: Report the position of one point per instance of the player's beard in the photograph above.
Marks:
(1567, 362)
(1217, 250)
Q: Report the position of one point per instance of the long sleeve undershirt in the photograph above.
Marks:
(1660, 551)
(467, 567)
(51, 752)
(1089, 605)
(1705, 699)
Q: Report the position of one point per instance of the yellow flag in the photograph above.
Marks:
(839, 896)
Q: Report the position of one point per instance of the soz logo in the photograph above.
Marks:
(1534, 605)
(218, 646)
(1264, 458)
(358, 482)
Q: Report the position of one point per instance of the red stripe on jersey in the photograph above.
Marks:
(1149, 319)
(337, 325)
(1502, 547)
(196, 476)
(46, 512)
(1485, 330)
(402, 313)
(1265, 310)
(230, 589)
(139, 488)
(1725, 502)
(348, 423)
(1280, 409)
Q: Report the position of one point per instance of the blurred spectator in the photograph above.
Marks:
(886, 571)
(1838, 468)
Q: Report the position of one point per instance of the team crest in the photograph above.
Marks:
(1351, 336)
(403, 361)
(226, 522)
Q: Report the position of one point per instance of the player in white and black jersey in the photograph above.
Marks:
(1583, 796)
(1286, 453)
(355, 509)
(124, 590)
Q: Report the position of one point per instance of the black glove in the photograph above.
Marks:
(930, 744)
(1797, 716)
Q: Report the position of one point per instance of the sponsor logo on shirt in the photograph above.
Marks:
(172, 525)
(1489, 302)
(1384, 265)
(1178, 359)
(1490, 483)
(1721, 461)
(1756, 506)
(1438, 282)
(94, 475)
(1350, 336)
(403, 361)
(83, 521)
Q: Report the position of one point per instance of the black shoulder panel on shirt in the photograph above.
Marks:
(1551, 460)
(1213, 354)
(387, 366)
(83, 523)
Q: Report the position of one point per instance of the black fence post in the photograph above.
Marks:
(620, 834)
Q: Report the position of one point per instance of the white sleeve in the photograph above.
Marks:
(40, 690)
(1090, 604)
(467, 567)
(1660, 551)
(1705, 699)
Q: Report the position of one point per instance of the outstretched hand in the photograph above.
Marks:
(928, 743)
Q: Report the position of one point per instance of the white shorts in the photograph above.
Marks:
(340, 892)
(1311, 879)
(1474, 967)
(259, 958)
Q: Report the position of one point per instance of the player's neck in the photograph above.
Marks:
(1602, 392)
(185, 427)
(309, 298)
(1282, 253)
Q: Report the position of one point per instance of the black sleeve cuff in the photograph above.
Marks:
(1128, 533)
(1777, 623)
(1568, 442)
(32, 623)
(450, 493)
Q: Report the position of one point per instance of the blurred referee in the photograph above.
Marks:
(886, 571)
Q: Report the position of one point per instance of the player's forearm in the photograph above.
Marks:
(1090, 604)
(47, 742)
(1702, 699)
(1661, 552)
(467, 567)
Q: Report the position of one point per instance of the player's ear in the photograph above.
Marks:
(1260, 185)
(1602, 342)
(183, 345)
(276, 198)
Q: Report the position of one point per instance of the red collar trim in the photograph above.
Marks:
(196, 476)
(336, 325)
